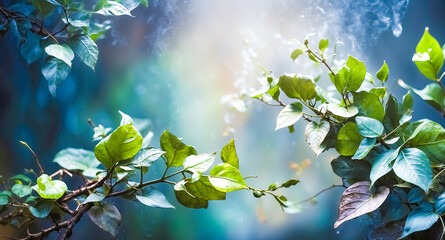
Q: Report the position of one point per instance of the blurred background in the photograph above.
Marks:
(188, 67)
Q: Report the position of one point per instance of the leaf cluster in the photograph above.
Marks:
(386, 162)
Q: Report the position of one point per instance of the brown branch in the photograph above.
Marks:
(35, 157)
(11, 215)
(68, 224)
(87, 188)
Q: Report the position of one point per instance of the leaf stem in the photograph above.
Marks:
(35, 157)
(320, 192)
(322, 59)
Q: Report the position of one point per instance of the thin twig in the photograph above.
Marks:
(320, 192)
(35, 157)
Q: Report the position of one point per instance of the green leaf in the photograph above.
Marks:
(62, 52)
(299, 87)
(407, 107)
(43, 7)
(120, 145)
(204, 189)
(379, 91)
(106, 216)
(296, 53)
(382, 164)
(55, 71)
(440, 204)
(350, 78)
(153, 198)
(76, 159)
(226, 178)
(412, 165)
(85, 48)
(290, 183)
(345, 112)
(94, 197)
(228, 154)
(190, 201)
(420, 219)
(382, 74)
(199, 163)
(315, 134)
(49, 189)
(113, 8)
(346, 168)
(429, 56)
(42, 208)
(289, 115)
(175, 150)
(323, 44)
(431, 140)
(145, 157)
(357, 200)
(369, 127)
(348, 139)
(432, 94)
(369, 105)
(288, 206)
(21, 190)
(365, 146)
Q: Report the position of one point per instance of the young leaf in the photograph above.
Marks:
(226, 178)
(113, 8)
(85, 48)
(55, 71)
(357, 200)
(429, 56)
(299, 87)
(100, 132)
(106, 216)
(315, 134)
(382, 74)
(154, 198)
(369, 127)
(348, 139)
(199, 163)
(42, 208)
(175, 150)
(62, 52)
(49, 189)
(323, 44)
(289, 115)
(228, 154)
(365, 146)
(382, 164)
(94, 197)
(120, 145)
(296, 53)
(290, 183)
(420, 219)
(412, 165)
